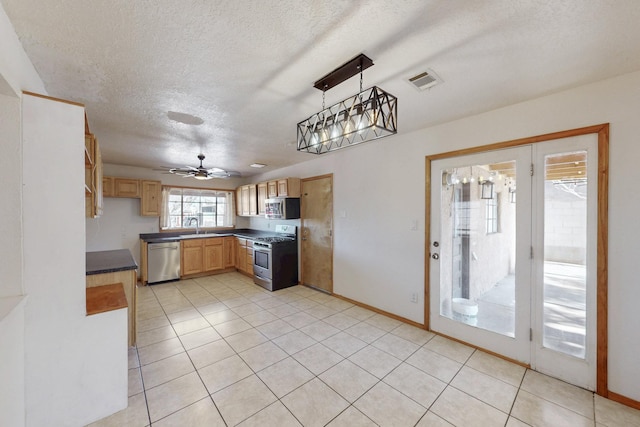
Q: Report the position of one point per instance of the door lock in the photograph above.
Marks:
(435, 256)
(436, 244)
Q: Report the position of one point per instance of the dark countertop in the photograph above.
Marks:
(245, 233)
(110, 261)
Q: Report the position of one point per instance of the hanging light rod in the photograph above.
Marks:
(344, 72)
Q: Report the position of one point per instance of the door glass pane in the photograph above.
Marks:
(477, 254)
(565, 252)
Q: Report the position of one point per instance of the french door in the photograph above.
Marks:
(513, 253)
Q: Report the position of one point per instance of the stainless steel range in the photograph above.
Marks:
(275, 259)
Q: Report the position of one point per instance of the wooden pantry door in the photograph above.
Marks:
(316, 206)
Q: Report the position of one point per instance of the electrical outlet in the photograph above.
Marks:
(414, 297)
(414, 224)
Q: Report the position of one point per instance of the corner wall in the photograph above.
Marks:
(76, 366)
(379, 190)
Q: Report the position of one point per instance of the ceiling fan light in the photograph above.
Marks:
(202, 177)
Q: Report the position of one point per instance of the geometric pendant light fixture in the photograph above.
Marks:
(370, 114)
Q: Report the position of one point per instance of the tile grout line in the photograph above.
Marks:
(292, 356)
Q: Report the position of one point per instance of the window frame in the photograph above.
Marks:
(492, 212)
(229, 195)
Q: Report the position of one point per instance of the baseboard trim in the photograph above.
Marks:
(624, 400)
(377, 310)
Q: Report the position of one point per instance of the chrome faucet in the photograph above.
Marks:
(197, 224)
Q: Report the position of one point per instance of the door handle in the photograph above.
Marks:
(304, 238)
(435, 256)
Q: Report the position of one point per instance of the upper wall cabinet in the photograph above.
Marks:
(92, 177)
(149, 192)
(246, 200)
(250, 199)
(289, 187)
(262, 196)
(272, 189)
(126, 187)
(150, 201)
(121, 187)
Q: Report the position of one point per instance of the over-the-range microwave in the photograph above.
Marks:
(282, 208)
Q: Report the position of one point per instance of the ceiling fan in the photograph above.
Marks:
(201, 172)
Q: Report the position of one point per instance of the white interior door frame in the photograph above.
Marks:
(516, 347)
(580, 372)
(602, 185)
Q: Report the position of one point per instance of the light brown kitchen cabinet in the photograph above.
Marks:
(247, 200)
(92, 177)
(262, 196)
(203, 255)
(229, 251)
(241, 254)
(249, 262)
(253, 200)
(289, 187)
(213, 254)
(239, 201)
(244, 256)
(150, 201)
(192, 257)
(272, 189)
(126, 187)
(107, 186)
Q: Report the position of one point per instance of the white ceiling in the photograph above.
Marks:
(246, 67)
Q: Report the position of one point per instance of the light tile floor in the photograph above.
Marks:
(221, 351)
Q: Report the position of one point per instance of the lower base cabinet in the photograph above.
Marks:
(213, 250)
(192, 257)
(203, 255)
(128, 278)
(244, 259)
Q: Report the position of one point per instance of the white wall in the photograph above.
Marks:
(11, 206)
(12, 388)
(16, 70)
(16, 73)
(76, 366)
(380, 186)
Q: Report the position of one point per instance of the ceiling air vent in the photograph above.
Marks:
(425, 80)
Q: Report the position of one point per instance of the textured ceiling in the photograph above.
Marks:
(241, 72)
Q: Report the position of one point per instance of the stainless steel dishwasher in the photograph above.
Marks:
(163, 262)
